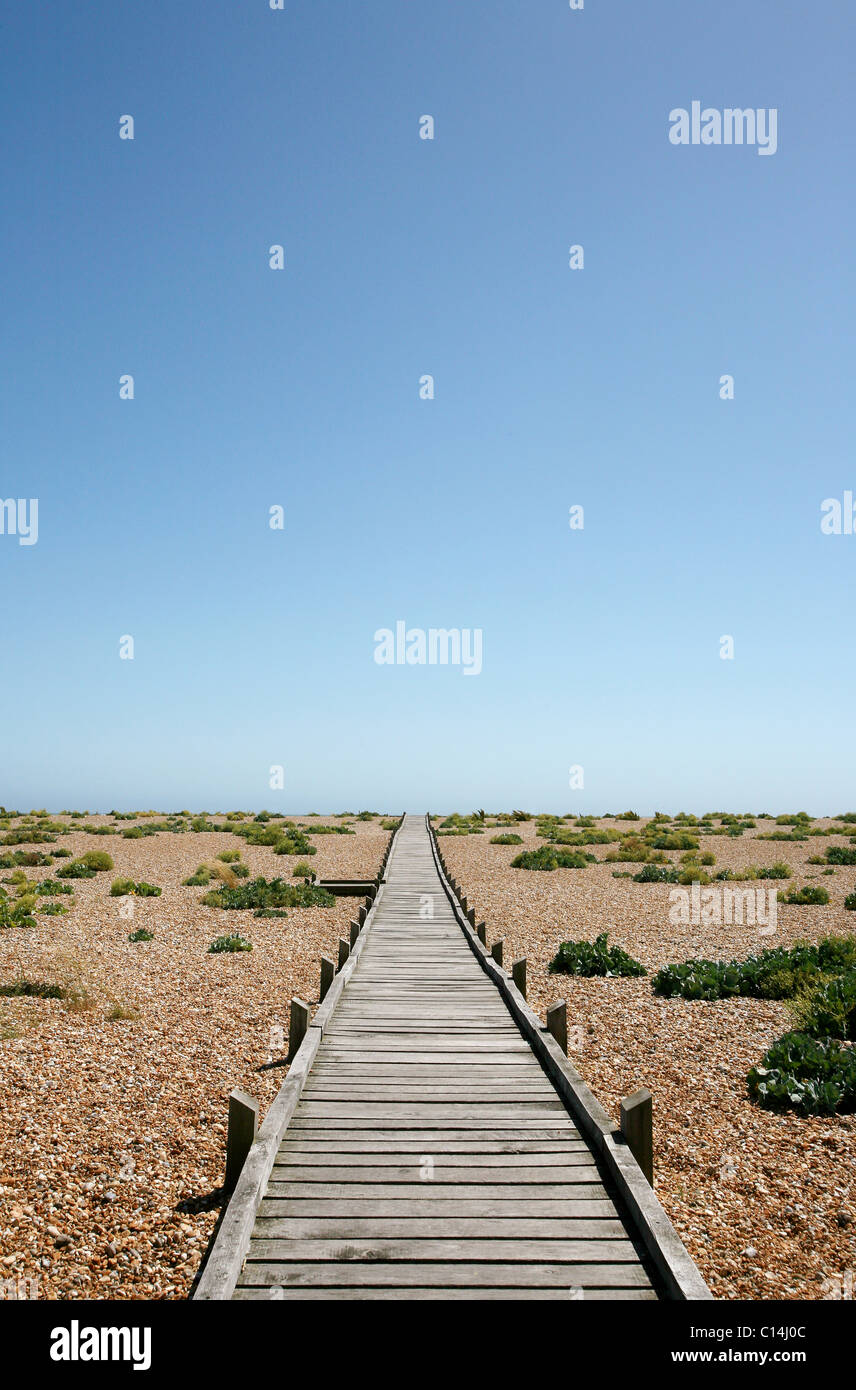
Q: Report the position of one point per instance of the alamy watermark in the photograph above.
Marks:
(731, 126)
(439, 646)
(717, 907)
(839, 518)
(15, 522)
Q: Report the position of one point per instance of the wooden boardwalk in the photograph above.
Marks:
(428, 1155)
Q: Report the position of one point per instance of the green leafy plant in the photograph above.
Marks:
(548, 858)
(807, 897)
(813, 1076)
(656, 873)
(48, 889)
(75, 868)
(141, 935)
(276, 893)
(508, 839)
(838, 854)
(778, 973)
(229, 944)
(594, 958)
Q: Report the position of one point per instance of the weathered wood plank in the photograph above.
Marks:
(446, 1274)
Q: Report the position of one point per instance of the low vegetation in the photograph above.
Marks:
(228, 944)
(275, 893)
(594, 958)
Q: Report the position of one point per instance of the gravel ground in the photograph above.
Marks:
(765, 1203)
(112, 1129)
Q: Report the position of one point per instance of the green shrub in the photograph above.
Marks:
(594, 958)
(53, 910)
(294, 843)
(75, 869)
(30, 859)
(778, 973)
(829, 1008)
(850, 902)
(33, 989)
(813, 1076)
(97, 860)
(147, 890)
(141, 935)
(30, 835)
(777, 870)
(549, 858)
(656, 873)
(509, 839)
(229, 943)
(632, 850)
(48, 889)
(807, 897)
(303, 871)
(276, 893)
(680, 839)
(229, 856)
(838, 854)
(562, 836)
(199, 878)
(121, 887)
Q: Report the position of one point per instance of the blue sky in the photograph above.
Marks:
(300, 387)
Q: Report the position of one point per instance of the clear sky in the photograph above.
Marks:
(554, 387)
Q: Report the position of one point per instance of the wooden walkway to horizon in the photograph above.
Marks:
(429, 1155)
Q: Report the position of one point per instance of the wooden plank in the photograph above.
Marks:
(411, 1228)
(351, 1294)
(320, 1158)
(590, 1250)
(448, 1275)
(583, 1177)
(444, 1172)
(341, 1208)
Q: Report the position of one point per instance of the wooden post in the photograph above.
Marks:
(298, 1022)
(557, 1024)
(481, 933)
(496, 951)
(362, 914)
(243, 1124)
(344, 951)
(637, 1126)
(355, 931)
(328, 972)
(471, 916)
(518, 974)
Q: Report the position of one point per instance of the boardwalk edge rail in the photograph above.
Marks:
(668, 1253)
(226, 1256)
